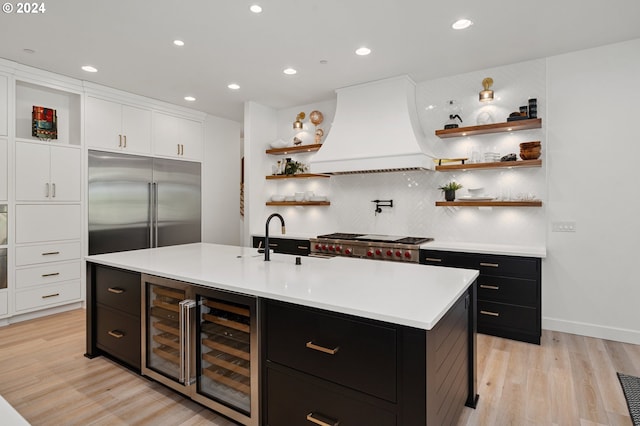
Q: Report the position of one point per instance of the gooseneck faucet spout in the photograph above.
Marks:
(266, 234)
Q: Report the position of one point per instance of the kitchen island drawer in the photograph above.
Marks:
(118, 334)
(48, 295)
(43, 253)
(351, 352)
(298, 401)
(118, 289)
(503, 316)
(46, 274)
(516, 291)
(489, 264)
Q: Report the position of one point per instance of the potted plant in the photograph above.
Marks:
(450, 190)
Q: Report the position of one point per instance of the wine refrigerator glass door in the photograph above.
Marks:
(227, 354)
(169, 333)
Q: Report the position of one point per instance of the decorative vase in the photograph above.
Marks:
(450, 194)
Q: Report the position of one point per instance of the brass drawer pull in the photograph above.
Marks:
(303, 247)
(51, 295)
(53, 274)
(124, 138)
(322, 420)
(491, 265)
(116, 333)
(115, 290)
(490, 287)
(120, 143)
(315, 347)
(493, 314)
(49, 253)
(273, 244)
(433, 259)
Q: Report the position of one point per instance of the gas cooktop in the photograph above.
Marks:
(376, 238)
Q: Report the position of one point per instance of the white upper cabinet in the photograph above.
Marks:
(177, 137)
(4, 173)
(114, 126)
(4, 105)
(47, 172)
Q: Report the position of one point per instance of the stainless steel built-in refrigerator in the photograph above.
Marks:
(140, 202)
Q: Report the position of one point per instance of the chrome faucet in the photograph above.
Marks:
(266, 234)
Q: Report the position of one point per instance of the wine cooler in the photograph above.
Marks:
(203, 343)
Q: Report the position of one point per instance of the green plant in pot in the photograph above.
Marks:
(450, 190)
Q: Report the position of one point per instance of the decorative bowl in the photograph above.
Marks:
(277, 198)
(278, 143)
(530, 153)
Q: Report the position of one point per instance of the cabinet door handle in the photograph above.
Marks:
(319, 348)
(493, 314)
(46, 190)
(115, 290)
(53, 190)
(49, 253)
(321, 420)
(181, 149)
(120, 141)
(491, 265)
(124, 138)
(116, 333)
(433, 259)
(490, 287)
(53, 274)
(178, 149)
(51, 295)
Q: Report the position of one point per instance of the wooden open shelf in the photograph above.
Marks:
(298, 176)
(294, 149)
(495, 165)
(535, 203)
(298, 203)
(509, 126)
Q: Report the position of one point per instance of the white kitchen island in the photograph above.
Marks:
(424, 315)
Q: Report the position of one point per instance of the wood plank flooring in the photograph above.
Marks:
(568, 380)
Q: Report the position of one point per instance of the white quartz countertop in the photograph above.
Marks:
(506, 249)
(407, 294)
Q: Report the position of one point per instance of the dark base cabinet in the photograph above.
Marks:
(327, 368)
(509, 291)
(285, 245)
(113, 314)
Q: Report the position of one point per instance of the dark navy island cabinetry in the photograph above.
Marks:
(509, 291)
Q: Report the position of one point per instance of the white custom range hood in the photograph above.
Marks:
(375, 129)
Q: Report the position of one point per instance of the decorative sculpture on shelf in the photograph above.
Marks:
(316, 119)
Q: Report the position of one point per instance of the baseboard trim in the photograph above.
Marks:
(42, 313)
(592, 330)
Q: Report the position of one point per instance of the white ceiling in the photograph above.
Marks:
(130, 42)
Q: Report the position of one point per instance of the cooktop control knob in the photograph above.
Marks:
(407, 254)
(324, 247)
(398, 253)
(389, 253)
(318, 246)
(332, 248)
(338, 249)
(369, 253)
(347, 252)
(378, 252)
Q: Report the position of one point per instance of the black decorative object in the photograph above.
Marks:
(509, 157)
(533, 108)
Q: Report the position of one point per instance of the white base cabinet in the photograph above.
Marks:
(4, 172)
(4, 105)
(4, 303)
(37, 223)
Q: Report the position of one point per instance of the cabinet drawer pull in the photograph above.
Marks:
(49, 253)
(303, 247)
(116, 333)
(490, 287)
(51, 295)
(273, 244)
(322, 420)
(433, 259)
(491, 265)
(52, 274)
(115, 290)
(315, 347)
(493, 314)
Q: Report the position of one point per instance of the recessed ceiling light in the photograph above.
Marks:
(189, 98)
(255, 8)
(461, 24)
(178, 43)
(290, 71)
(363, 51)
(430, 107)
(89, 68)
(233, 86)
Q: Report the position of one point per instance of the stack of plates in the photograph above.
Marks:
(491, 157)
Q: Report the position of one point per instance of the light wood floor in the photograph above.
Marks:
(568, 380)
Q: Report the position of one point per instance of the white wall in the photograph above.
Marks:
(590, 282)
(221, 182)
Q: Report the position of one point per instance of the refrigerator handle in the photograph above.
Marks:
(155, 215)
(150, 212)
(186, 339)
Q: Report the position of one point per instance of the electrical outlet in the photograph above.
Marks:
(563, 227)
